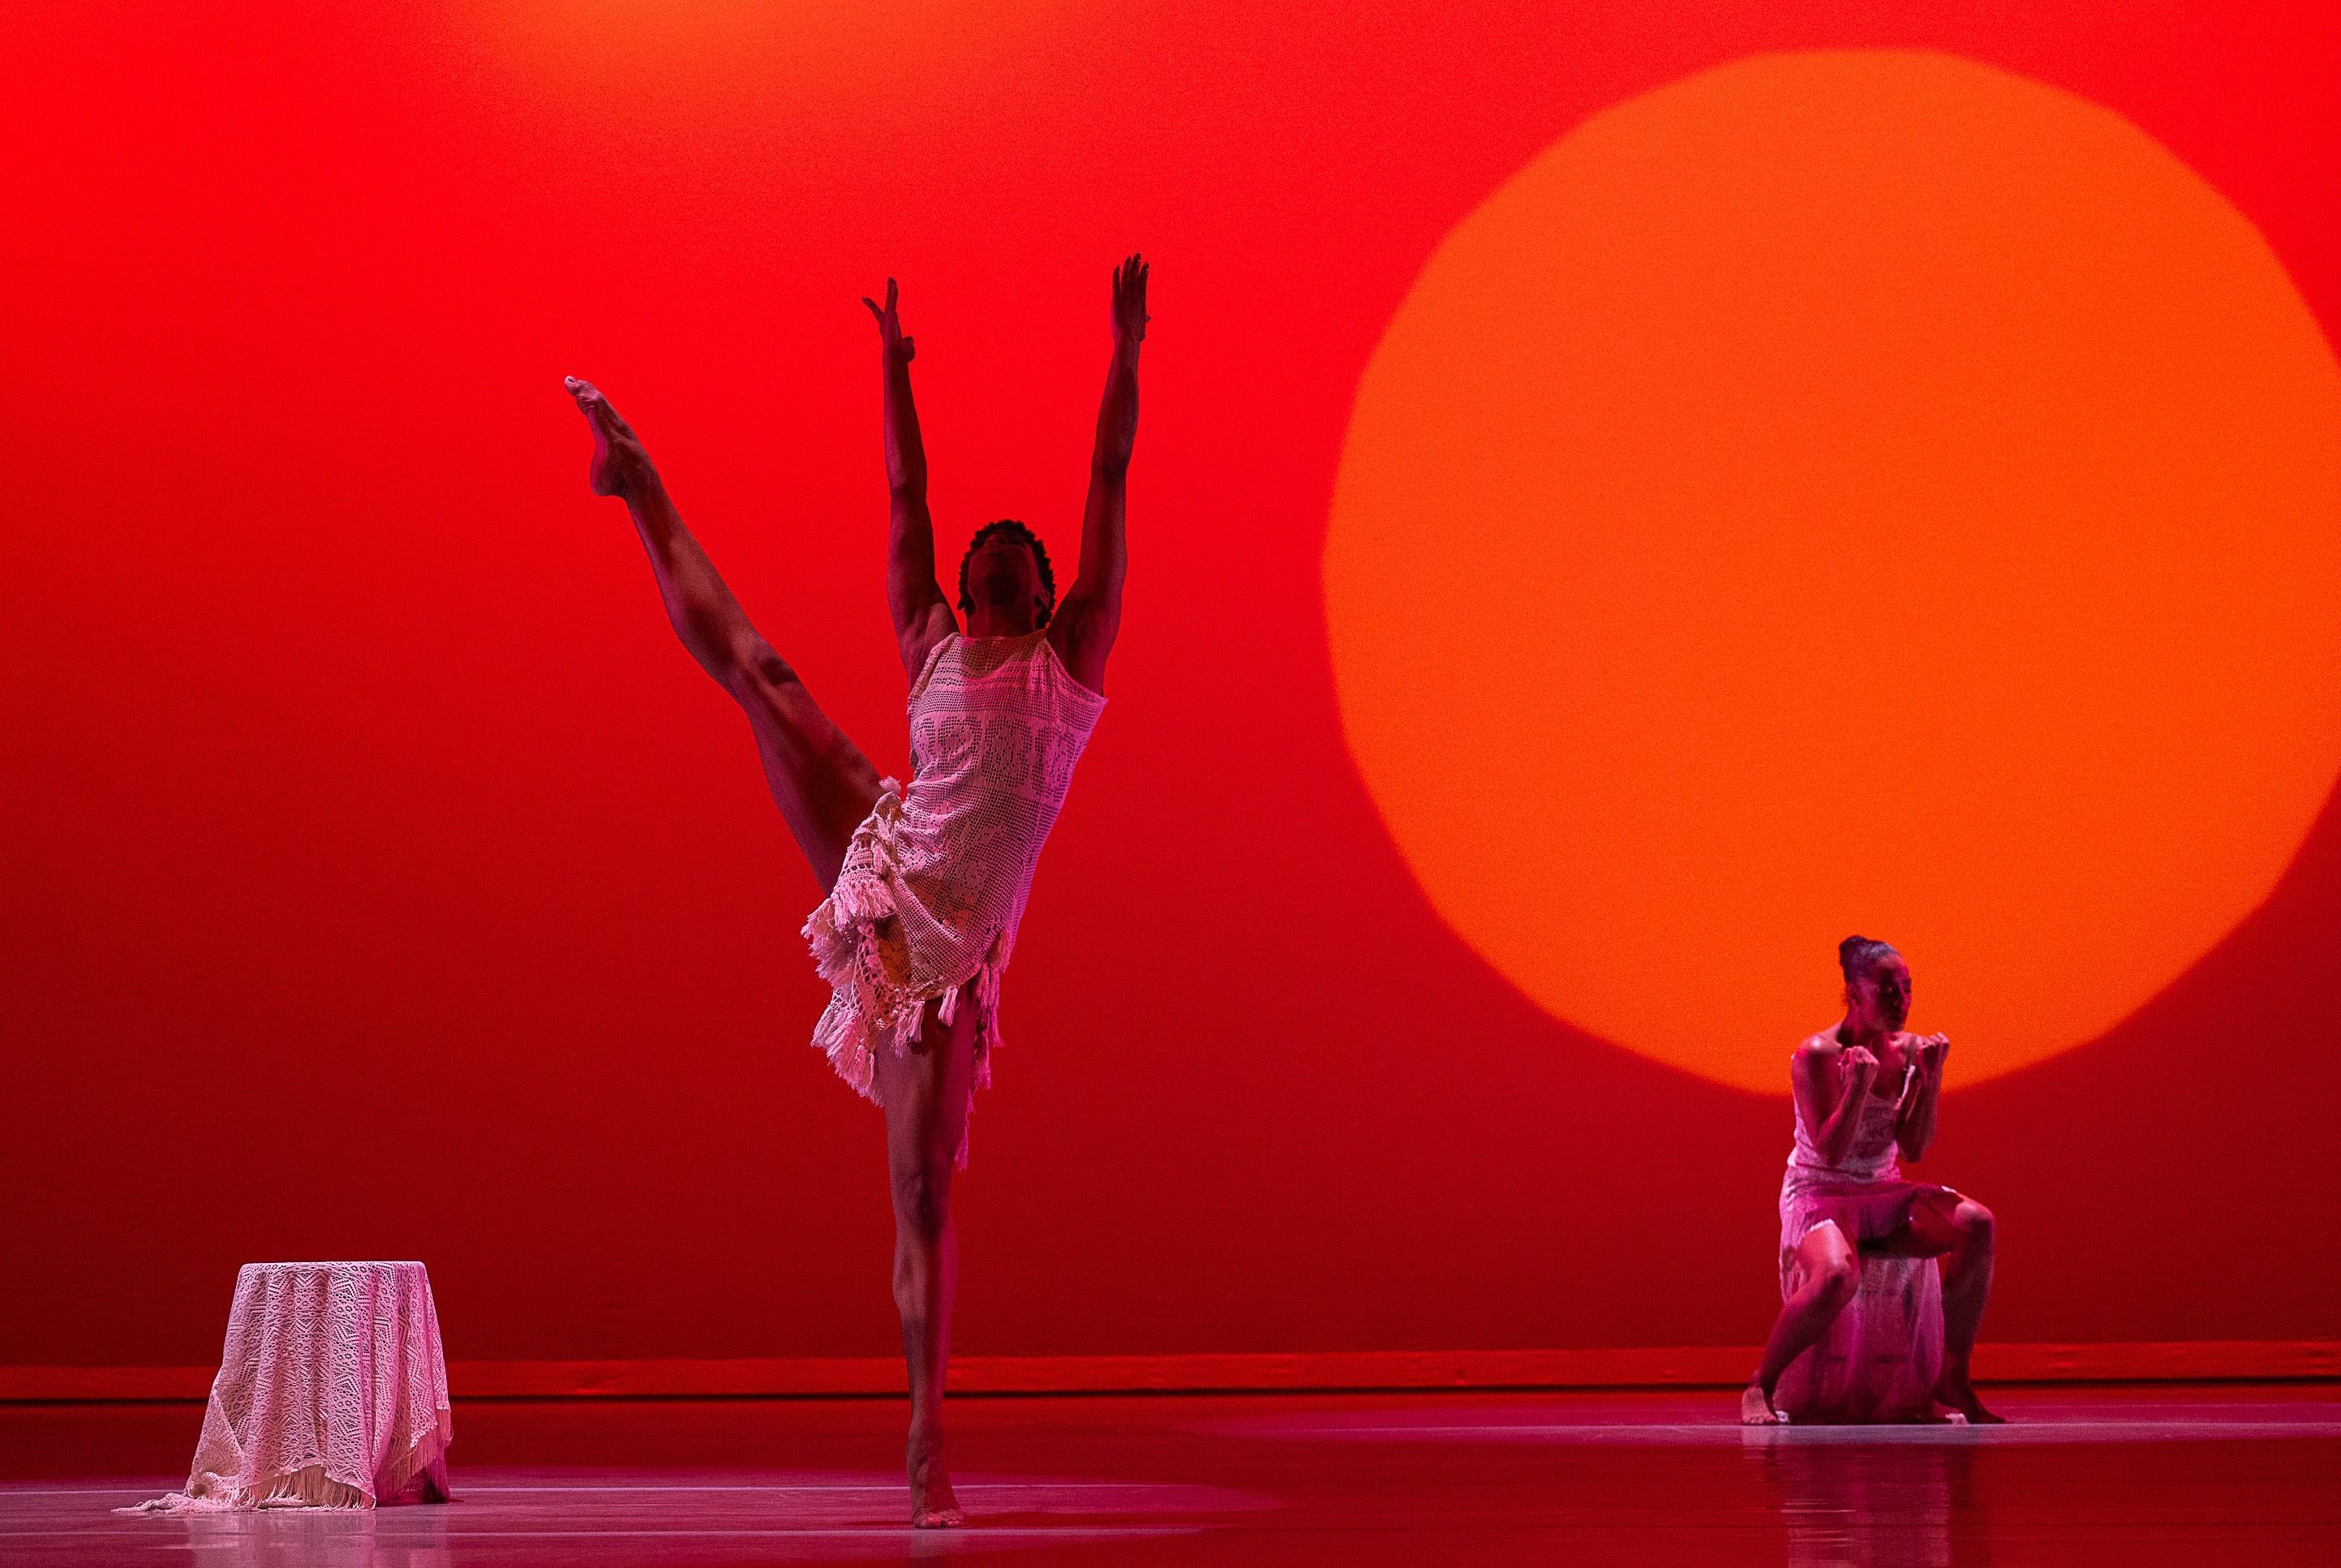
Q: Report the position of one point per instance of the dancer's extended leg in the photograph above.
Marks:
(818, 778)
(1829, 1273)
(925, 1094)
(1962, 1232)
(823, 783)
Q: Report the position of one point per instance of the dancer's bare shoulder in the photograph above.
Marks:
(1819, 1049)
(1813, 1068)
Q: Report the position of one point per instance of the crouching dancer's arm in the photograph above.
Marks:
(1831, 1084)
(1914, 1122)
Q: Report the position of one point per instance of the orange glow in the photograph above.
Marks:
(643, 51)
(1859, 491)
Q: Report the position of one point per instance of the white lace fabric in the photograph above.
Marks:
(332, 1392)
(936, 878)
(1872, 1157)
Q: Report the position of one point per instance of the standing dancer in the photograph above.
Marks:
(1864, 1091)
(924, 886)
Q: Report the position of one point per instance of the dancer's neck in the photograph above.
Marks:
(989, 621)
(1851, 1034)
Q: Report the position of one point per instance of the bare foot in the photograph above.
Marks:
(933, 1505)
(1957, 1395)
(1756, 1408)
(619, 460)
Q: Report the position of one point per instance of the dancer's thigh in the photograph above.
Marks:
(1932, 1229)
(924, 1093)
(820, 779)
(1824, 1248)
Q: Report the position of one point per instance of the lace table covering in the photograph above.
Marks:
(332, 1392)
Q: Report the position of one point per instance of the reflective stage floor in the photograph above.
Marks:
(2119, 1476)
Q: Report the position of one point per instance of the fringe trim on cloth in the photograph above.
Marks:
(419, 1476)
(859, 950)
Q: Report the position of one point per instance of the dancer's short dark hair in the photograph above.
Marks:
(1857, 955)
(1014, 530)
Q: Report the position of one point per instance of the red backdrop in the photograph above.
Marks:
(382, 881)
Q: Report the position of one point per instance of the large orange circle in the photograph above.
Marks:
(1844, 491)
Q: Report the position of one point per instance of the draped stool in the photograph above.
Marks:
(1879, 1358)
(332, 1392)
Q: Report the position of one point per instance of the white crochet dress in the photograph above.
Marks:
(936, 877)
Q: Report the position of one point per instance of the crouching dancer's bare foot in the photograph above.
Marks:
(933, 1505)
(1953, 1392)
(1755, 1407)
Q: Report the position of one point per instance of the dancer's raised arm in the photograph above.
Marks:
(922, 615)
(1085, 624)
(712, 626)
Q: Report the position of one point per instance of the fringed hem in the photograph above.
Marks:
(308, 1487)
(419, 1476)
(856, 953)
(849, 952)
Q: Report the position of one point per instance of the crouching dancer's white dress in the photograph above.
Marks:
(936, 877)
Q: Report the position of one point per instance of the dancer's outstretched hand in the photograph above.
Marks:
(1130, 316)
(618, 463)
(890, 327)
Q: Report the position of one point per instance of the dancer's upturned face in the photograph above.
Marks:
(1880, 999)
(1004, 577)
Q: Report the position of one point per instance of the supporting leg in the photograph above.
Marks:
(925, 1095)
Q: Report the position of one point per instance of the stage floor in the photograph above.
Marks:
(2129, 1476)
